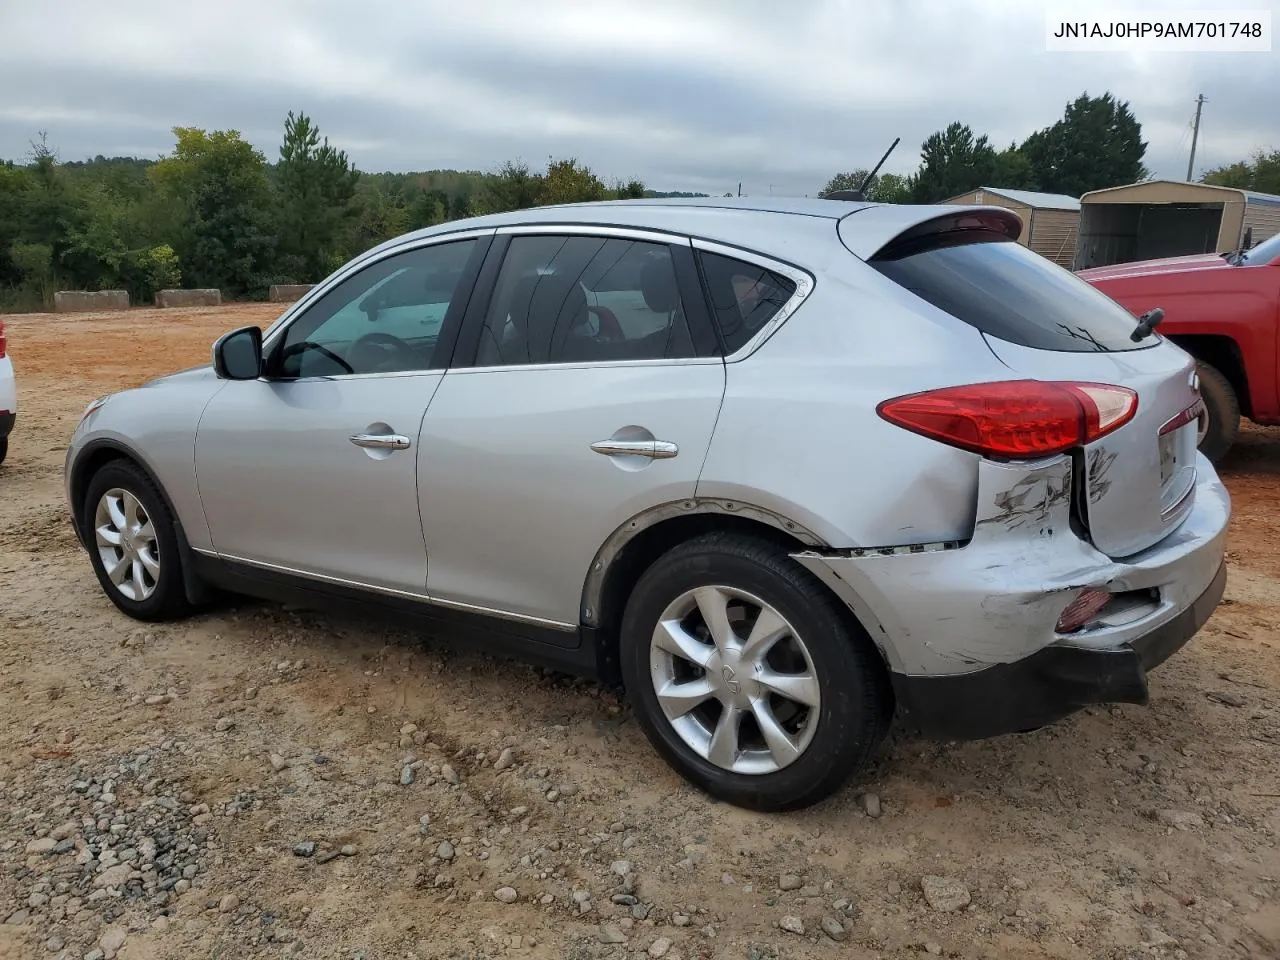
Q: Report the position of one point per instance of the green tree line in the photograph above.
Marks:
(214, 212)
(1096, 144)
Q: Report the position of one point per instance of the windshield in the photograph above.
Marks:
(1264, 252)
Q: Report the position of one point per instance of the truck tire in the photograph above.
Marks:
(1222, 426)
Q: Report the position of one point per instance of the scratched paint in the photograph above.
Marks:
(1031, 500)
(1100, 462)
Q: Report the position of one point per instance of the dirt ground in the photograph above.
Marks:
(184, 763)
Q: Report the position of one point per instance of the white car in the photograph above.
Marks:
(8, 395)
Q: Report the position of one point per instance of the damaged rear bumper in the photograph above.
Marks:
(1046, 686)
(969, 630)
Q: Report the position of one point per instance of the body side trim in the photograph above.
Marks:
(393, 592)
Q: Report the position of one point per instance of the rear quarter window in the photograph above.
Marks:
(1004, 290)
(744, 296)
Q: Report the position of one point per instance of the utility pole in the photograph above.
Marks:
(739, 188)
(1195, 134)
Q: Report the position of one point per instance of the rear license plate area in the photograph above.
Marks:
(1169, 444)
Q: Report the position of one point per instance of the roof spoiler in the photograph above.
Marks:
(860, 195)
(866, 231)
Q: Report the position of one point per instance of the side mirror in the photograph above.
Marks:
(238, 355)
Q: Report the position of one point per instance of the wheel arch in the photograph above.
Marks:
(1222, 353)
(94, 457)
(636, 544)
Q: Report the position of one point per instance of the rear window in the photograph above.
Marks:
(744, 296)
(1006, 291)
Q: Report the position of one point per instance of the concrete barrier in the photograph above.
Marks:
(88, 301)
(288, 292)
(189, 298)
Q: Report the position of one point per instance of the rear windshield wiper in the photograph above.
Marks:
(1147, 324)
(1080, 333)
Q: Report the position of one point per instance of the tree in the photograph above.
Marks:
(1013, 170)
(217, 183)
(567, 182)
(317, 184)
(513, 187)
(378, 217)
(890, 188)
(1097, 143)
(16, 185)
(952, 161)
(885, 188)
(631, 190)
(1261, 172)
(844, 181)
(34, 265)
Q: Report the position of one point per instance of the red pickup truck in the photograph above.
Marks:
(1223, 309)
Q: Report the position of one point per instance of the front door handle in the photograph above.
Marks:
(381, 441)
(653, 449)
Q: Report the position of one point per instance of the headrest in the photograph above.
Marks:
(658, 283)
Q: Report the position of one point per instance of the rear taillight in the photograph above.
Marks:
(4, 343)
(1014, 419)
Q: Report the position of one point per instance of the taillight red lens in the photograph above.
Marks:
(4, 343)
(1014, 419)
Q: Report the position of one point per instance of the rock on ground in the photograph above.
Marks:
(944, 894)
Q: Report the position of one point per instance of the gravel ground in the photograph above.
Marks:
(268, 782)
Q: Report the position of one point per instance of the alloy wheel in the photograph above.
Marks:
(126, 542)
(735, 680)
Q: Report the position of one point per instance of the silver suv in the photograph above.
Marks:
(777, 467)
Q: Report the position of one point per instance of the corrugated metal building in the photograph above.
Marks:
(1170, 218)
(1049, 220)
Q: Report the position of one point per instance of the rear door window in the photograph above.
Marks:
(1009, 293)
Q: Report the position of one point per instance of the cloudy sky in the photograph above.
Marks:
(684, 94)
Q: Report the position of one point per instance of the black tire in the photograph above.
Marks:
(1223, 409)
(168, 601)
(856, 700)
(4, 448)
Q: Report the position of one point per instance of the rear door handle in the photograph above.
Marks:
(653, 449)
(381, 441)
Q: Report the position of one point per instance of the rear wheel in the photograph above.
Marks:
(1221, 424)
(132, 544)
(747, 677)
(4, 448)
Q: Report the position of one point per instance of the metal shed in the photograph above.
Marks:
(1170, 218)
(1049, 220)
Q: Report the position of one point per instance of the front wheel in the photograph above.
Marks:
(747, 677)
(132, 544)
(1220, 425)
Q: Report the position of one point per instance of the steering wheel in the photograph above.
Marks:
(381, 342)
(303, 346)
(610, 328)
